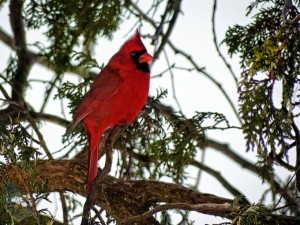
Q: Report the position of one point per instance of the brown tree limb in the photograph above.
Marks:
(64, 208)
(217, 175)
(25, 59)
(121, 199)
(206, 208)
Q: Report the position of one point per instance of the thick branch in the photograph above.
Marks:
(121, 199)
(25, 59)
(207, 208)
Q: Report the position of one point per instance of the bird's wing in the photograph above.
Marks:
(106, 85)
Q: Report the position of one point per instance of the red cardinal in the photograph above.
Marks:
(116, 96)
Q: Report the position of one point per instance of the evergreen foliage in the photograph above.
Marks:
(269, 52)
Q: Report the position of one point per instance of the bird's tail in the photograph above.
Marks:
(92, 162)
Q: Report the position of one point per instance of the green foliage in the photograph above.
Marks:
(242, 39)
(269, 55)
(2, 2)
(15, 143)
(74, 93)
(255, 214)
(71, 23)
(165, 144)
(168, 144)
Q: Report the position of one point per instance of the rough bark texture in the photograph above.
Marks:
(122, 199)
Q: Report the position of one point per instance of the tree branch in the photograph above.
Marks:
(227, 151)
(224, 149)
(213, 21)
(206, 208)
(121, 199)
(175, 5)
(217, 175)
(25, 59)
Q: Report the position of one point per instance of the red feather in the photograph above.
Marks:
(116, 96)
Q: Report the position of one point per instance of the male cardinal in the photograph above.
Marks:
(115, 97)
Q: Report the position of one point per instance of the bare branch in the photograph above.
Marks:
(42, 60)
(25, 59)
(213, 21)
(64, 208)
(206, 208)
(50, 118)
(106, 147)
(172, 82)
(227, 151)
(207, 75)
(175, 4)
(210, 171)
(40, 136)
(7, 39)
(219, 177)
(224, 149)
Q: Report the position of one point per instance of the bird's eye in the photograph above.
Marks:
(133, 54)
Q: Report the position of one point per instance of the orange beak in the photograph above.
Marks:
(144, 58)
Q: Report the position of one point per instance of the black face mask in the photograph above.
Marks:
(135, 55)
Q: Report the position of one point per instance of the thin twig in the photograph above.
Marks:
(48, 92)
(219, 177)
(213, 21)
(199, 174)
(50, 118)
(28, 190)
(207, 75)
(172, 82)
(98, 214)
(202, 208)
(64, 208)
(175, 4)
(5, 94)
(40, 136)
(42, 60)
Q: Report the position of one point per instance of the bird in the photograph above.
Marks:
(115, 97)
